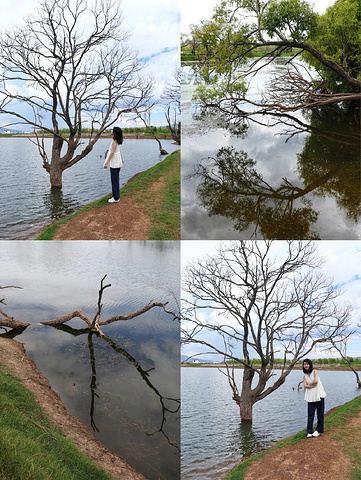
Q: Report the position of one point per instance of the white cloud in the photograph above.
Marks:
(155, 28)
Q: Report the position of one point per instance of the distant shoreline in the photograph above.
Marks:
(126, 136)
(222, 365)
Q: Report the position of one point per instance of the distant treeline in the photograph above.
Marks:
(355, 361)
(126, 130)
(187, 55)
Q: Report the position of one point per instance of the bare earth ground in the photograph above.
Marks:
(125, 220)
(14, 358)
(314, 458)
(118, 221)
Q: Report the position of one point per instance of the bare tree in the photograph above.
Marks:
(68, 66)
(145, 117)
(341, 348)
(172, 94)
(262, 304)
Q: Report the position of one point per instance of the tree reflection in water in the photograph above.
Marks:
(168, 405)
(329, 165)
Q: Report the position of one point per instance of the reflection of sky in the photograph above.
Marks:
(275, 160)
(60, 277)
(276, 156)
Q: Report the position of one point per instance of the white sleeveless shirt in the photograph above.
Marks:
(316, 393)
(116, 160)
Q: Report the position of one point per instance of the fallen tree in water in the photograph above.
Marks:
(95, 323)
(7, 320)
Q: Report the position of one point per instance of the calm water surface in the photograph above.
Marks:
(125, 388)
(269, 178)
(213, 438)
(27, 203)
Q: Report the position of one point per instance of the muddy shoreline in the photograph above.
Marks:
(13, 357)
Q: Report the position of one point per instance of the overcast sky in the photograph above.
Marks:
(155, 27)
(343, 260)
(193, 12)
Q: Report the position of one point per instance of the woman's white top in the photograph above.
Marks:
(114, 157)
(316, 393)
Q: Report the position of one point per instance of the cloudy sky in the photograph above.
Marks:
(343, 261)
(155, 27)
(193, 12)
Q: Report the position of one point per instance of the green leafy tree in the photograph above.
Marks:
(265, 30)
(289, 19)
(338, 36)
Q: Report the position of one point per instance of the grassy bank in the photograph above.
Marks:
(338, 424)
(31, 448)
(162, 205)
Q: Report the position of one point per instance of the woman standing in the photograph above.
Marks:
(115, 161)
(315, 396)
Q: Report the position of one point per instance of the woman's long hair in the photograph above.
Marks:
(307, 360)
(118, 135)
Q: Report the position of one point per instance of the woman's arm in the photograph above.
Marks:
(311, 384)
(110, 154)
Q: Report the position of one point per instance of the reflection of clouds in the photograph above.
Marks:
(67, 274)
(197, 224)
(332, 225)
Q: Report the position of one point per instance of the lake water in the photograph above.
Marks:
(213, 438)
(275, 178)
(126, 389)
(27, 202)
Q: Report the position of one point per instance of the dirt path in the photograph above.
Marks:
(129, 219)
(318, 458)
(14, 358)
(125, 220)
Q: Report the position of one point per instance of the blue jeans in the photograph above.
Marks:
(312, 408)
(114, 177)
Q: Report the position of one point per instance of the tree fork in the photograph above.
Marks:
(95, 324)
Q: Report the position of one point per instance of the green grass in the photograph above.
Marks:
(165, 220)
(163, 209)
(30, 447)
(347, 438)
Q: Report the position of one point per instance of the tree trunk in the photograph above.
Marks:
(246, 400)
(246, 407)
(56, 169)
(56, 175)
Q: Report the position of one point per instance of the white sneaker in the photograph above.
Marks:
(112, 200)
(309, 435)
(315, 434)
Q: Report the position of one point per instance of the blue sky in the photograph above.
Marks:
(155, 27)
(343, 265)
